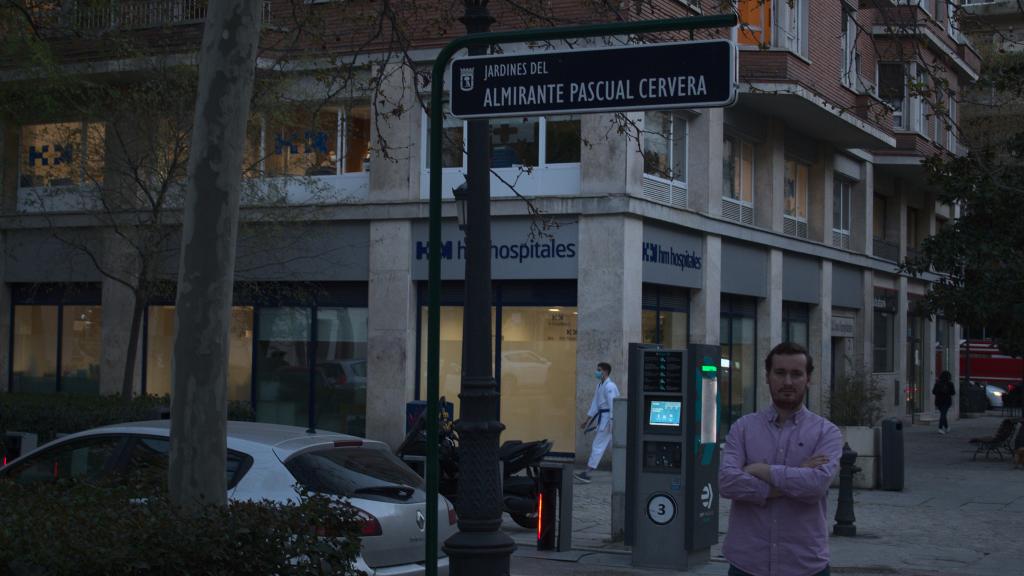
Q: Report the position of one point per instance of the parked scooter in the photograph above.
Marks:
(520, 463)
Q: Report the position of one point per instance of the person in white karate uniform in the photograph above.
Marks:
(599, 418)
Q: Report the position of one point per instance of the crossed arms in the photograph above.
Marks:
(743, 478)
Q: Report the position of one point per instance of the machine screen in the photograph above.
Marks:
(664, 413)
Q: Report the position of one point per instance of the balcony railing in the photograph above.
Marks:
(141, 14)
(886, 250)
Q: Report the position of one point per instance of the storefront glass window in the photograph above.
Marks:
(160, 351)
(738, 374)
(538, 374)
(885, 327)
(341, 370)
(81, 345)
(282, 366)
(35, 349)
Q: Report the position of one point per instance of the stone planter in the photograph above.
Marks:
(864, 441)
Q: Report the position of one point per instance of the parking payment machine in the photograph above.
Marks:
(673, 465)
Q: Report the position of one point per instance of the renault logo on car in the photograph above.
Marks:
(421, 521)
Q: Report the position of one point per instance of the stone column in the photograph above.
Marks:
(770, 164)
(900, 341)
(391, 331)
(864, 335)
(608, 296)
(862, 212)
(394, 137)
(769, 323)
(610, 163)
(118, 306)
(704, 165)
(706, 303)
(819, 209)
(820, 339)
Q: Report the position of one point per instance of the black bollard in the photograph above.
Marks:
(844, 511)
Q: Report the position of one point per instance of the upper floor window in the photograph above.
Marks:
(310, 142)
(774, 23)
(797, 183)
(738, 180)
(953, 20)
(842, 194)
(62, 154)
(665, 154)
(513, 141)
(892, 89)
(665, 146)
(851, 59)
(924, 107)
(790, 25)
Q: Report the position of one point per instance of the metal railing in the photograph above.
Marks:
(141, 14)
(886, 250)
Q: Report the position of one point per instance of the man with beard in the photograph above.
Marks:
(776, 468)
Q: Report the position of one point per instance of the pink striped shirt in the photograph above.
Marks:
(786, 535)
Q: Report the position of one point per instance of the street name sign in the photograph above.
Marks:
(698, 74)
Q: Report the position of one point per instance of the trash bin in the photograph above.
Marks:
(972, 397)
(891, 456)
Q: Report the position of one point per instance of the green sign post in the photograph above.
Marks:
(434, 255)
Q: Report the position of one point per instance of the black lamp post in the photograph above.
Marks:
(479, 548)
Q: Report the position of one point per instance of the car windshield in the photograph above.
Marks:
(358, 472)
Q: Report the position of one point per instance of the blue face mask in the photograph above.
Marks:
(599, 375)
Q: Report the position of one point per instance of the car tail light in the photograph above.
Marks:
(369, 524)
(453, 518)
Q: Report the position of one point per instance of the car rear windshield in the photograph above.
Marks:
(357, 472)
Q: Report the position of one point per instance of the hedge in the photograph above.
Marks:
(75, 528)
(47, 415)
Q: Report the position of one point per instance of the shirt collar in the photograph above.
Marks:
(773, 414)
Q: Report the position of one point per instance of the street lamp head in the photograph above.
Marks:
(461, 194)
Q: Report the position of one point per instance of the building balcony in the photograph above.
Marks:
(886, 250)
(782, 84)
(141, 14)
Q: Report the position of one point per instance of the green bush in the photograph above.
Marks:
(69, 528)
(47, 415)
(856, 400)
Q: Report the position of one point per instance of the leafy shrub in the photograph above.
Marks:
(75, 528)
(856, 400)
(47, 415)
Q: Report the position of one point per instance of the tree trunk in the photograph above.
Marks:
(206, 271)
(131, 353)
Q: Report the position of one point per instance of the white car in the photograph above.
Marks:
(266, 461)
(995, 396)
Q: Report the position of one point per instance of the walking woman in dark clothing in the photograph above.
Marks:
(944, 392)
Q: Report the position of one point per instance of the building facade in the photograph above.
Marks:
(783, 217)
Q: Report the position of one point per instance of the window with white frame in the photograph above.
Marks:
(665, 146)
(533, 141)
(790, 23)
(320, 141)
(892, 89)
(842, 194)
(939, 118)
(797, 183)
(665, 155)
(61, 154)
(738, 180)
(851, 59)
(953, 20)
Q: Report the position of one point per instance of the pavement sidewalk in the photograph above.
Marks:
(954, 517)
